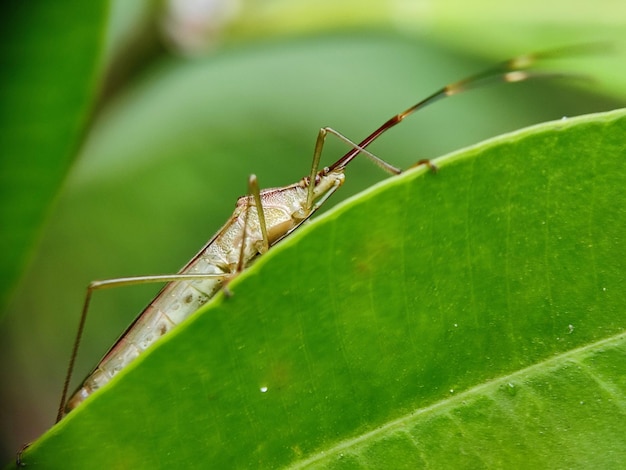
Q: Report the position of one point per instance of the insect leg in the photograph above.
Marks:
(317, 155)
(108, 284)
(19, 461)
(377, 160)
(255, 193)
(253, 188)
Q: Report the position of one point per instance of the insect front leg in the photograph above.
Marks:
(379, 161)
(317, 155)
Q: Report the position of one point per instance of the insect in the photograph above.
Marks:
(261, 219)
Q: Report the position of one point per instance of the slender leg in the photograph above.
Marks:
(376, 160)
(379, 161)
(253, 187)
(108, 284)
(425, 161)
(18, 458)
(242, 247)
(317, 155)
(255, 192)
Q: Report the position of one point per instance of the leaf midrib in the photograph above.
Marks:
(547, 365)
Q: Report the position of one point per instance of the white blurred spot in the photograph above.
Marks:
(192, 27)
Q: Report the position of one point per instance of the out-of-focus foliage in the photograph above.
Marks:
(46, 92)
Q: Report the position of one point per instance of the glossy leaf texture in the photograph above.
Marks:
(468, 318)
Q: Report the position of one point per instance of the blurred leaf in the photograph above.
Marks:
(468, 318)
(488, 29)
(49, 55)
(514, 26)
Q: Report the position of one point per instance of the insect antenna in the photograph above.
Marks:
(509, 71)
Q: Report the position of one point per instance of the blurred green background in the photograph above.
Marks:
(176, 109)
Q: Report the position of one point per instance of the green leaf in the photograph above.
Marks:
(49, 59)
(469, 318)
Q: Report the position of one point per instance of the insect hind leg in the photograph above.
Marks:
(108, 284)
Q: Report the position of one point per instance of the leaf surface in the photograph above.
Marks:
(469, 318)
